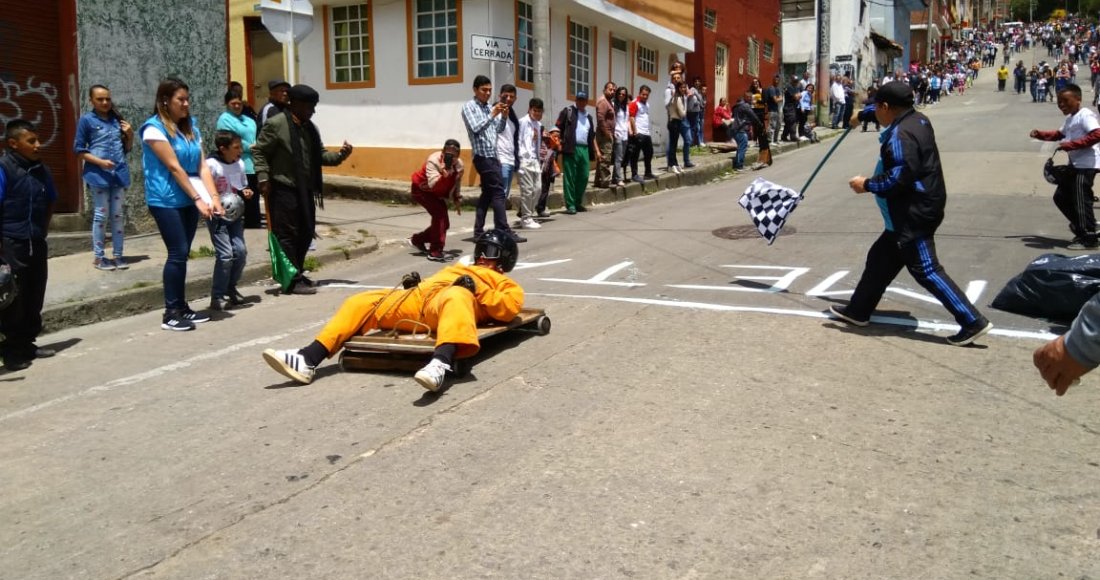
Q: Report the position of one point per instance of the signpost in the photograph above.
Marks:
(492, 48)
(289, 21)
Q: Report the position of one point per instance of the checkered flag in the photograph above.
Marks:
(769, 205)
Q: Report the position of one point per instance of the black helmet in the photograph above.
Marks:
(8, 289)
(499, 246)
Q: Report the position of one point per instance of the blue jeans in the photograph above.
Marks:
(230, 254)
(685, 136)
(695, 121)
(742, 139)
(506, 173)
(107, 202)
(177, 227)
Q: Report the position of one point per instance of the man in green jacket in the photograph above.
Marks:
(288, 156)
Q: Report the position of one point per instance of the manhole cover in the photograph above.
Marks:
(744, 232)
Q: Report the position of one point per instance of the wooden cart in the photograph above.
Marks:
(389, 350)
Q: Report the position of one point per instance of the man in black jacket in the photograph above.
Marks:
(909, 187)
(27, 195)
(744, 118)
(578, 134)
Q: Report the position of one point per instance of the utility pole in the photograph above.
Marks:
(541, 17)
(928, 32)
(822, 61)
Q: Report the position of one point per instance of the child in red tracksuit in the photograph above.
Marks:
(432, 184)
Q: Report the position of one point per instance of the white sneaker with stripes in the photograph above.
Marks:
(290, 364)
(432, 375)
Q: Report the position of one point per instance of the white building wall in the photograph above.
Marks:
(397, 115)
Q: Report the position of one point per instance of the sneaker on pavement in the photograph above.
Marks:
(437, 257)
(195, 317)
(431, 377)
(530, 224)
(219, 304)
(236, 298)
(544, 214)
(841, 313)
(971, 333)
(104, 264)
(650, 176)
(121, 264)
(418, 245)
(518, 238)
(638, 179)
(290, 364)
(174, 321)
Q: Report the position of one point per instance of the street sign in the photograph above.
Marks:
(492, 48)
(287, 20)
(843, 58)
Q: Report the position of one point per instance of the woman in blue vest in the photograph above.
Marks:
(177, 183)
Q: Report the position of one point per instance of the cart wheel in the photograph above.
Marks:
(460, 368)
(543, 325)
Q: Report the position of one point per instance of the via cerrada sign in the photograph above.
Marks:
(492, 48)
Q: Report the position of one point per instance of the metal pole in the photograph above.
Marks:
(541, 17)
(822, 61)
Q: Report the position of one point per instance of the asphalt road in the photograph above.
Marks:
(692, 414)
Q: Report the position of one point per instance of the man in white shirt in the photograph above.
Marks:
(507, 138)
(836, 89)
(1079, 136)
(530, 170)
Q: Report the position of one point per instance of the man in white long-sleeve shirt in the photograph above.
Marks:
(836, 89)
(1063, 361)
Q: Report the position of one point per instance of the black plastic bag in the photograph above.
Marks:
(1052, 286)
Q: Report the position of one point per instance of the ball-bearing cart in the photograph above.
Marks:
(391, 350)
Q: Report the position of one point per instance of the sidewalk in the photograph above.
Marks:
(78, 294)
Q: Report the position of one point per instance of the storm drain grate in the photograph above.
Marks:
(746, 232)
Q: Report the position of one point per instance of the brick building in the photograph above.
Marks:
(735, 42)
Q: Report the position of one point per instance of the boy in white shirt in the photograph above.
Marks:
(530, 168)
(227, 230)
(1079, 136)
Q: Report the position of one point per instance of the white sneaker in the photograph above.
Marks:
(530, 224)
(431, 376)
(290, 364)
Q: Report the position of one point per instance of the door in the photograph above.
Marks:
(620, 69)
(33, 87)
(721, 72)
(265, 60)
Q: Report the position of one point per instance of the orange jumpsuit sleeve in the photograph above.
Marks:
(498, 295)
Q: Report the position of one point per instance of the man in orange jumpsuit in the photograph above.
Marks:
(451, 303)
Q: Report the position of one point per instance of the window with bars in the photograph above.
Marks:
(580, 58)
(525, 52)
(769, 51)
(710, 19)
(753, 64)
(647, 62)
(351, 60)
(435, 33)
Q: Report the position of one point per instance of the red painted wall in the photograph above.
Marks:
(737, 20)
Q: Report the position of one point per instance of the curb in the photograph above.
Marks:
(140, 300)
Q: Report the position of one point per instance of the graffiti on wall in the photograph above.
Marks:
(38, 103)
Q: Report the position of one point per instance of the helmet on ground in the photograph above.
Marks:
(233, 205)
(8, 289)
(497, 245)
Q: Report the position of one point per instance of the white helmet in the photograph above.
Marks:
(233, 205)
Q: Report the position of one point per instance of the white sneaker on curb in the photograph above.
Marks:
(432, 375)
(290, 364)
(529, 224)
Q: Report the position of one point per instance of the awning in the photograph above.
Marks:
(885, 44)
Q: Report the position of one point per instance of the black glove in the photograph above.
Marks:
(466, 282)
(410, 280)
